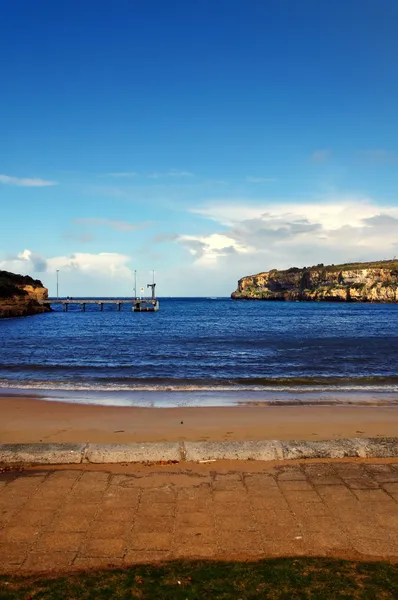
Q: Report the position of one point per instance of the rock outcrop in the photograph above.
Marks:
(21, 295)
(351, 282)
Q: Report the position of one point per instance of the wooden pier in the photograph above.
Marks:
(82, 302)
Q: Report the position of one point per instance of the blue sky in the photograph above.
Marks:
(204, 139)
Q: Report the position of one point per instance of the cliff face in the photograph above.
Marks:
(357, 282)
(21, 295)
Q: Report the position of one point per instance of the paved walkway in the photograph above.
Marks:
(67, 518)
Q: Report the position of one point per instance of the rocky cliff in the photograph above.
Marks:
(351, 282)
(21, 295)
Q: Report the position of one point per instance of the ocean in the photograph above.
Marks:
(203, 351)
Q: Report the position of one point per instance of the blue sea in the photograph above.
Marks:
(203, 351)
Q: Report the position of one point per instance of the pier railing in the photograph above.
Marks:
(66, 302)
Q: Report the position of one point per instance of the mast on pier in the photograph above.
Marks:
(153, 285)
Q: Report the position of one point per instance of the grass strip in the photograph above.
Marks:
(276, 579)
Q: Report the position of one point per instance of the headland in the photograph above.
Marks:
(350, 282)
(21, 295)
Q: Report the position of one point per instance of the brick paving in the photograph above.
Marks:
(79, 518)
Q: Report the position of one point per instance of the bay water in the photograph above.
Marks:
(198, 351)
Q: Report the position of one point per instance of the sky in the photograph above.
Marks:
(205, 140)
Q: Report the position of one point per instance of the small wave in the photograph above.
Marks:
(191, 388)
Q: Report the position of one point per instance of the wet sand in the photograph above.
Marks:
(30, 419)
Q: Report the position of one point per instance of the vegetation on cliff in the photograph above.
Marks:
(350, 282)
(12, 284)
(20, 295)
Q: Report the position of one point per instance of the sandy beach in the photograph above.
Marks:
(29, 419)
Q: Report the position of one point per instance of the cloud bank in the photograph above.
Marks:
(271, 235)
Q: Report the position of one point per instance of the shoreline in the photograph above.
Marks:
(31, 419)
(215, 398)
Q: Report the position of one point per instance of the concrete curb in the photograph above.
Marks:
(120, 453)
(63, 454)
(41, 454)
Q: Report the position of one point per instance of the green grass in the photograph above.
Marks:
(277, 579)
(391, 265)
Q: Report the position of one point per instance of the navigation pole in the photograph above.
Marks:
(153, 285)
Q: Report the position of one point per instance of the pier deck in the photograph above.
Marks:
(66, 302)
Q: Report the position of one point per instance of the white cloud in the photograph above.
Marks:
(80, 273)
(25, 181)
(106, 264)
(122, 174)
(260, 179)
(207, 249)
(264, 236)
(118, 225)
(171, 173)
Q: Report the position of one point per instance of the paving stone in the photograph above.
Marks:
(241, 542)
(232, 508)
(276, 548)
(70, 522)
(391, 488)
(151, 541)
(12, 554)
(43, 503)
(277, 531)
(146, 556)
(369, 546)
(122, 515)
(372, 496)
(275, 518)
(321, 524)
(228, 522)
(304, 510)
(20, 534)
(83, 509)
(291, 474)
(30, 518)
(121, 497)
(200, 493)
(295, 497)
(194, 506)
(194, 550)
(269, 504)
(62, 520)
(107, 529)
(295, 485)
(262, 481)
(112, 547)
(48, 561)
(324, 541)
(362, 483)
(97, 562)
(159, 509)
(6, 514)
(62, 542)
(64, 474)
(158, 496)
(320, 480)
(144, 524)
(200, 535)
(190, 519)
(229, 496)
(391, 477)
(228, 482)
